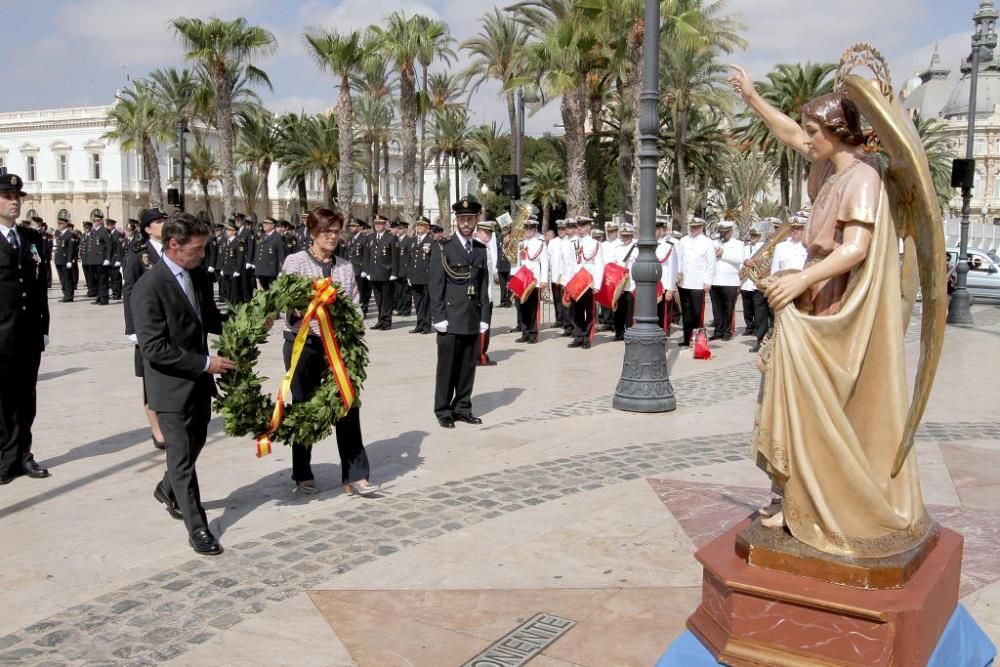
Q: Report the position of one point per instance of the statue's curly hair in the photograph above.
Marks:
(837, 114)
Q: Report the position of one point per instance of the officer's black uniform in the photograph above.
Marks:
(459, 294)
(24, 322)
(64, 254)
(404, 295)
(102, 252)
(233, 259)
(118, 260)
(141, 255)
(356, 252)
(269, 259)
(382, 260)
(83, 254)
(248, 243)
(419, 276)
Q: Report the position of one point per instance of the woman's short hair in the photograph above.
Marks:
(181, 227)
(837, 114)
(322, 219)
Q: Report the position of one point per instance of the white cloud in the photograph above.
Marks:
(359, 14)
(298, 104)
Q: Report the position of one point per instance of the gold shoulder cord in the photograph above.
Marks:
(452, 273)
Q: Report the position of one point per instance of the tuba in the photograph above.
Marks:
(758, 267)
(512, 239)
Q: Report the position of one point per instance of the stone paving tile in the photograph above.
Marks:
(200, 599)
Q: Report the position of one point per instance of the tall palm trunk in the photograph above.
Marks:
(370, 181)
(408, 111)
(153, 172)
(385, 170)
(208, 202)
(333, 195)
(423, 147)
(224, 122)
(345, 118)
(798, 173)
(626, 156)
(601, 176)
(303, 197)
(458, 179)
(264, 168)
(515, 131)
(634, 87)
(546, 214)
(784, 182)
(574, 114)
(680, 165)
(377, 172)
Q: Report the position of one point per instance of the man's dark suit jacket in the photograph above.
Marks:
(382, 256)
(173, 340)
(24, 308)
(450, 298)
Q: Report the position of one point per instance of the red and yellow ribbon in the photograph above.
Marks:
(325, 294)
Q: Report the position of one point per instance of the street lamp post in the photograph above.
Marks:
(644, 385)
(983, 42)
(182, 129)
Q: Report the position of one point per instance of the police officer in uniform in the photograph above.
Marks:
(143, 253)
(83, 254)
(503, 267)
(232, 261)
(291, 241)
(24, 332)
(404, 296)
(248, 242)
(418, 275)
(357, 253)
(459, 293)
(65, 258)
(382, 261)
(118, 258)
(102, 253)
(270, 254)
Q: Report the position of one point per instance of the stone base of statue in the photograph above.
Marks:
(751, 615)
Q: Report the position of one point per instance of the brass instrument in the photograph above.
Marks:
(758, 267)
(512, 239)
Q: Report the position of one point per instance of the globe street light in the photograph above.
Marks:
(983, 42)
(644, 385)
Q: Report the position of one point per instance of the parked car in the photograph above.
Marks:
(984, 274)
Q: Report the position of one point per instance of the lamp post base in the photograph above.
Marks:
(960, 307)
(644, 385)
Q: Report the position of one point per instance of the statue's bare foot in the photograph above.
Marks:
(772, 508)
(776, 521)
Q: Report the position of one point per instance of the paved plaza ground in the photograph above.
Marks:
(558, 504)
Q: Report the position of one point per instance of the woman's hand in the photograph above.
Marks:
(742, 83)
(786, 289)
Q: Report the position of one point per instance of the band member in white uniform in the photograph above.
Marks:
(726, 283)
(531, 253)
(624, 254)
(666, 255)
(484, 234)
(695, 270)
(554, 249)
(587, 256)
(755, 315)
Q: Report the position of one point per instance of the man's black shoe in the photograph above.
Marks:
(532, 341)
(416, 331)
(727, 337)
(162, 498)
(6, 480)
(468, 419)
(576, 343)
(446, 422)
(427, 331)
(755, 347)
(377, 327)
(683, 344)
(585, 345)
(522, 339)
(204, 542)
(32, 469)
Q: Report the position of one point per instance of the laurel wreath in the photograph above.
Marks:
(243, 403)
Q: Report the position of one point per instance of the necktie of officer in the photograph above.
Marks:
(12, 238)
(468, 246)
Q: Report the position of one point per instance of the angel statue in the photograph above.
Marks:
(835, 424)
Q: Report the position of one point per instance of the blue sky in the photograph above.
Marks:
(72, 52)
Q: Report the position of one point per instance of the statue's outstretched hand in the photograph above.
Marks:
(741, 82)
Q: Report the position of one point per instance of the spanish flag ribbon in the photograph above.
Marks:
(324, 294)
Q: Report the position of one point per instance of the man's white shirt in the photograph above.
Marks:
(531, 253)
(788, 255)
(695, 261)
(727, 267)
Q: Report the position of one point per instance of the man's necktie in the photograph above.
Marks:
(468, 246)
(12, 239)
(189, 292)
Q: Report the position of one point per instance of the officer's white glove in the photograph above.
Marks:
(483, 327)
(248, 266)
(45, 340)
(133, 339)
(106, 263)
(211, 269)
(236, 274)
(410, 283)
(392, 277)
(70, 265)
(442, 326)
(364, 275)
(117, 264)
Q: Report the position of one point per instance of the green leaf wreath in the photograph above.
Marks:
(243, 404)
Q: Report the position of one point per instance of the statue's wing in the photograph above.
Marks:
(917, 216)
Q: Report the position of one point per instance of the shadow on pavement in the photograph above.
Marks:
(389, 459)
(483, 404)
(503, 355)
(42, 377)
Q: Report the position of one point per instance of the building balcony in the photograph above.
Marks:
(59, 186)
(32, 187)
(99, 186)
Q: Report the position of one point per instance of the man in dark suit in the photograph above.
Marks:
(65, 258)
(383, 270)
(24, 332)
(459, 294)
(356, 252)
(419, 275)
(173, 311)
(83, 254)
(503, 267)
(270, 254)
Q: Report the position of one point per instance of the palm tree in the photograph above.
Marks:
(789, 87)
(747, 176)
(343, 56)
(312, 145)
(176, 92)
(564, 53)
(498, 53)
(435, 43)
(249, 182)
(933, 134)
(204, 168)
(400, 43)
(258, 146)
(225, 49)
(451, 140)
(292, 132)
(484, 143)
(443, 90)
(374, 126)
(545, 182)
(137, 124)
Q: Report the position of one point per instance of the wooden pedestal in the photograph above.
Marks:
(753, 617)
